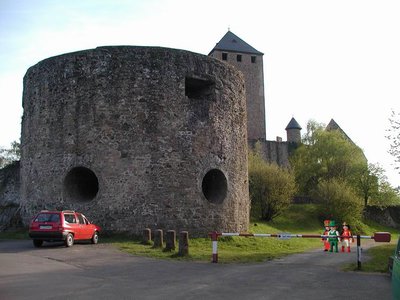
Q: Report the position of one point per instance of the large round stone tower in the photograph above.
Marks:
(137, 137)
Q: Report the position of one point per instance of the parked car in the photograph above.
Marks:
(396, 273)
(67, 226)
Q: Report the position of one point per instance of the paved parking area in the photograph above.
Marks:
(100, 271)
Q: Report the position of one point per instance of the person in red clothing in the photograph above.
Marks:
(347, 237)
(325, 240)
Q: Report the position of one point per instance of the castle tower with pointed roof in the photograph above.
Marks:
(249, 61)
(332, 125)
(293, 131)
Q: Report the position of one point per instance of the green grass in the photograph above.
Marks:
(378, 262)
(230, 249)
(19, 234)
(297, 219)
(378, 256)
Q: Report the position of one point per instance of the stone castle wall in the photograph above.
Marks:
(136, 137)
(274, 151)
(389, 216)
(10, 196)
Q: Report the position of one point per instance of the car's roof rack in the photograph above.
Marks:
(67, 211)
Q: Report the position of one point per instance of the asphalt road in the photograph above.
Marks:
(100, 271)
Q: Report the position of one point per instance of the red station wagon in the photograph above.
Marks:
(66, 226)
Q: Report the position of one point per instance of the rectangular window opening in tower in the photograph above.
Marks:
(238, 58)
(224, 56)
(253, 59)
(197, 88)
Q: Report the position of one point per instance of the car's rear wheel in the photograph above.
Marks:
(69, 241)
(95, 238)
(37, 243)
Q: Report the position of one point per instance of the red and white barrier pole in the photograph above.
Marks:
(214, 239)
(377, 237)
(358, 252)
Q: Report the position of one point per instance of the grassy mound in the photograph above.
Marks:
(297, 219)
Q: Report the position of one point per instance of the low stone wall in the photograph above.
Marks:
(389, 216)
(273, 151)
(9, 197)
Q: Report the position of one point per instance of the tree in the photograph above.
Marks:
(386, 196)
(375, 189)
(325, 155)
(271, 188)
(339, 201)
(368, 182)
(394, 137)
(7, 156)
(380, 193)
(310, 136)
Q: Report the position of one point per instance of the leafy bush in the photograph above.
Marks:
(339, 201)
(271, 188)
(8, 156)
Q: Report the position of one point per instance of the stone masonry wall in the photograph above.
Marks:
(254, 81)
(136, 137)
(389, 216)
(274, 151)
(10, 196)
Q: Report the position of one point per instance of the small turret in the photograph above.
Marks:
(293, 131)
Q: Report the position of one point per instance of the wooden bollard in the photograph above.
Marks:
(146, 236)
(170, 243)
(183, 243)
(158, 238)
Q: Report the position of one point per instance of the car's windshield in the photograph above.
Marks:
(46, 217)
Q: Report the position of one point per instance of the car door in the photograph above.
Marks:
(85, 229)
(73, 225)
(396, 273)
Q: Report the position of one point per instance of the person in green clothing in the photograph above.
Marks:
(334, 236)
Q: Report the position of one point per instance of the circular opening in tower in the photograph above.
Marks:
(81, 184)
(214, 186)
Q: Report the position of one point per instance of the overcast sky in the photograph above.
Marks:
(322, 59)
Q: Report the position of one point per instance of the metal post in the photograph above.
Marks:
(358, 252)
